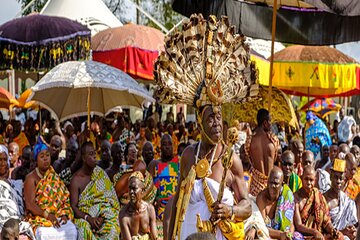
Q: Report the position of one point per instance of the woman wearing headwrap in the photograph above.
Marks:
(11, 199)
(47, 200)
(316, 135)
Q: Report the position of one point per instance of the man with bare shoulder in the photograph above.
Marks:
(93, 199)
(211, 193)
(312, 217)
(137, 218)
(277, 206)
(262, 148)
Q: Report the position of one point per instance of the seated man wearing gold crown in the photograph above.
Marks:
(342, 209)
(137, 218)
(212, 194)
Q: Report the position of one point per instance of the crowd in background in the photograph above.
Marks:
(121, 167)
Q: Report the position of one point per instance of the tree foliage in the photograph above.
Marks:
(161, 10)
(35, 7)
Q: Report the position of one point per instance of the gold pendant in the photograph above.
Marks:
(202, 168)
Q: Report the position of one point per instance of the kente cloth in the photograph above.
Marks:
(51, 195)
(316, 136)
(125, 134)
(197, 204)
(22, 141)
(150, 188)
(99, 200)
(258, 181)
(155, 140)
(357, 175)
(344, 215)
(315, 213)
(256, 221)
(165, 179)
(12, 205)
(160, 229)
(284, 213)
(352, 188)
(324, 181)
(295, 182)
(66, 176)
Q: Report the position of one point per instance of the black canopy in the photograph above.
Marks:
(333, 22)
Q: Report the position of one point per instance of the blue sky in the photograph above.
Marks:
(8, 10)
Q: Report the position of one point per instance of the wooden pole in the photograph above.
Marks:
(273, 31)
(88, 108)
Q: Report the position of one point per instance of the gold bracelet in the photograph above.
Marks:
(46, 214)
(232, 213)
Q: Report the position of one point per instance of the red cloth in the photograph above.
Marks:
(136, 62)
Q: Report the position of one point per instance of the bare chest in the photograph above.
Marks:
(139, 224)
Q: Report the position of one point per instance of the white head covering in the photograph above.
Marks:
(67, 123)
(4, 149)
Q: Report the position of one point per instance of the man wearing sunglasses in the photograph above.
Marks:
(288, 167)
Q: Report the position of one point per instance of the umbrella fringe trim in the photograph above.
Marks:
(46, 41)
(43, 58)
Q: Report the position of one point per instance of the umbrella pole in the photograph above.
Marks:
(273, 31)
(40, 122)
(88, 109)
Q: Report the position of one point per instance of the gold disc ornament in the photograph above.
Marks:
(202, 168)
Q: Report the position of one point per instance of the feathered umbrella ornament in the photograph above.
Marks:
(206, 63)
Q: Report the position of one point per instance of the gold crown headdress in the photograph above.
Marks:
(138, 175)
(206, 63)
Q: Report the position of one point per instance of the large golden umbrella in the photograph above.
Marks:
(281, 108)
(317, 71)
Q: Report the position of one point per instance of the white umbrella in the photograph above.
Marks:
(68, 88)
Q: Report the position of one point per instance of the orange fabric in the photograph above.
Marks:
(258, 181)
(156, 144)
(22, 141)
(315, 213)
(53, 196)
(352, 188)
(175, 143)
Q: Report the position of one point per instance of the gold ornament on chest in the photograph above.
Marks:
(203, 167)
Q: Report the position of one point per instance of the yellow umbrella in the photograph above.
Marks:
(262, 67)
(317, 71)
(276, 4)
(281, 109)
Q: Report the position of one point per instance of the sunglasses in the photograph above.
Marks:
(287, 164)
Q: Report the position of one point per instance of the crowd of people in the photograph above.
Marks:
(167, 179)
(118, 181)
